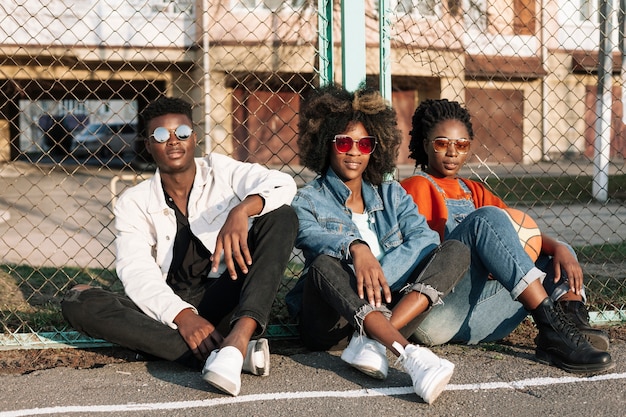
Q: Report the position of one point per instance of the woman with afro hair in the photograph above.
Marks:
(373, 267)
(503, 283)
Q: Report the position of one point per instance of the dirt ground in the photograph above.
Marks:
(26, 361)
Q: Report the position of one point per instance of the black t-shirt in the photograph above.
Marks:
(191, 259)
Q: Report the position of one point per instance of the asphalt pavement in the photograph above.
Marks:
(487, 382)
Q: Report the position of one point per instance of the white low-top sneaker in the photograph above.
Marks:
(257, 360)
(367, 355)
(430, 373)
(222, 369)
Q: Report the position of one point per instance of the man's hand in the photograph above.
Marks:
(233, 241)
(233, 236)
(199, 334)
(370, 279)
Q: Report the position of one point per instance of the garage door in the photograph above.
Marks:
(497, 117)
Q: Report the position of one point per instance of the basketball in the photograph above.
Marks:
(527, 230)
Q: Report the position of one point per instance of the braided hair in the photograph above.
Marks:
(331, 110)
(427, 115)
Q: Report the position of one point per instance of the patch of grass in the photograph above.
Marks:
(36, 294)
(47, 318)
(497, 348)
(604, 253)
(606, 287)
(550, 189)
(606, 293)
(40, 285)
(280, 313)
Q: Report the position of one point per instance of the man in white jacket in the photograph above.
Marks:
(201, 250)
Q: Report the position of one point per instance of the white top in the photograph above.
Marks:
(362, 222)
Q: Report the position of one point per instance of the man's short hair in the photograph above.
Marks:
(165, 105)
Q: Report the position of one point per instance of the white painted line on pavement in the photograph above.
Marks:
(116, 408)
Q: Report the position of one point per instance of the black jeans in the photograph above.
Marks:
(332, 310)
(114, 317)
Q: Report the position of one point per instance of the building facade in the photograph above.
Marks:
(526, 70)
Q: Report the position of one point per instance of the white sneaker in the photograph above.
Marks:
(257, 360)
(367, 355)
(430, 374)
(222, 369)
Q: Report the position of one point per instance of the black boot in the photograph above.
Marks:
(577, 313)
(560, 343)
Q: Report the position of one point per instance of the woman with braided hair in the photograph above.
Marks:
(503, 284)
(373, 267)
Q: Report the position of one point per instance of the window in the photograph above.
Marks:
(273, 5)
(171, 6)
(476, 15)
(524, 19)
(421, 7)
(584, 10)
(424, 8)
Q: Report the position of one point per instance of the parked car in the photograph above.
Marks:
(58, 130)
(105, 139)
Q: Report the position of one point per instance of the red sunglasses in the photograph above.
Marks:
(343, 144)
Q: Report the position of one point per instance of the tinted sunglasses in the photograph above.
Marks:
(343, 144)
(441, 144)
(162, 134)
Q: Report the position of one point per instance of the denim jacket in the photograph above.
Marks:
(326, 227)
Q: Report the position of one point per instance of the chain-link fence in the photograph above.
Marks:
(75, 74)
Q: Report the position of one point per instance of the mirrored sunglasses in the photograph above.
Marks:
(162, 134)
(441, 144)
(343, 144)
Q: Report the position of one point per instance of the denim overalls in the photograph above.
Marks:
(457, 209)
(482, 309)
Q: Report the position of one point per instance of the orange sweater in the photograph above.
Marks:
(431, 204)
